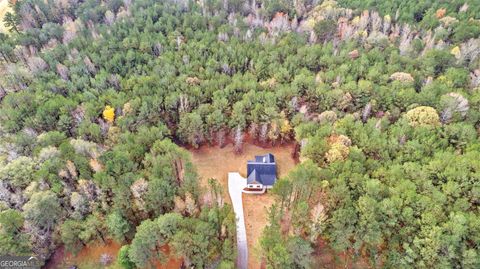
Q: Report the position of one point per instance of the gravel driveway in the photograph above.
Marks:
(236, 183)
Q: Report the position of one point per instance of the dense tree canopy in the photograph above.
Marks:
(382, 98)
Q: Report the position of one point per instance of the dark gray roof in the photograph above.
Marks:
(267, 158)
(262, 170)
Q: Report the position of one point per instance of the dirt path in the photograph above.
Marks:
(216, 162)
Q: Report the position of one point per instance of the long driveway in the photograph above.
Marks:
(236, 183)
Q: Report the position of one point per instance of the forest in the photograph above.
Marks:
(100, 100)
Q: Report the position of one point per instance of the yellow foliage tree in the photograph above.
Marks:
(456, 52)
(269, 83)
(286, 128)
(338, 151)
(423, 116)
(109, 114)
(444, 80)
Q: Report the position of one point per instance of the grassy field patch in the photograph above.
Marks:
(216, 162)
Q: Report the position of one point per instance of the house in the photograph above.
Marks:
(261, 174)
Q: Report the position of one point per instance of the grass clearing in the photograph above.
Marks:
(89, 258)
(216, 162)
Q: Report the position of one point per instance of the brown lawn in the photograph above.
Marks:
(216, 162)
(89, 257)
(326, 258)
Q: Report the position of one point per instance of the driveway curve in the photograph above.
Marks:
(236, 183)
